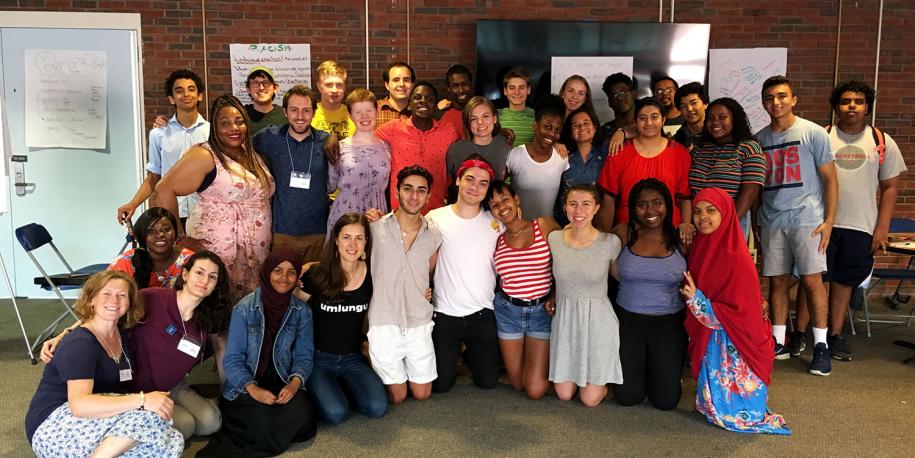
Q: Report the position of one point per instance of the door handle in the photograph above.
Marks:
(22, 187)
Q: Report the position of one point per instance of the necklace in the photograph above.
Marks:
(105, 346)
(523, 228)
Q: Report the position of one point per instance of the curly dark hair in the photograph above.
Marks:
(741, 130)
(141, 260)
(671, 237)
(852, 86)
(183, 74)
(212, 315)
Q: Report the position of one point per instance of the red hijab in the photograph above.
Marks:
(723, 270)
(274, 303)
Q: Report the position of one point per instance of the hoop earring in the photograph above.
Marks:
(519, 213)
(362, 256)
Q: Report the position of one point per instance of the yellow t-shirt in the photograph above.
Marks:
(335, 122)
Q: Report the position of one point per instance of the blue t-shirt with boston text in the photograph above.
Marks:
(792, 196)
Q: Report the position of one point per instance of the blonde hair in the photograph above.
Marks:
(360, 95)
(94, 285)
(474, 102)
(328, 68)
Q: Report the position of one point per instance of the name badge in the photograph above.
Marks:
(189, 347)
(301, 180)
(125, 375)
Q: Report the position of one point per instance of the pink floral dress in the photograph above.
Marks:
(233, 220)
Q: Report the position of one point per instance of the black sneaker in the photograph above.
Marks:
(797, 343)
(839, 348)
(821, 364)
(781, 352)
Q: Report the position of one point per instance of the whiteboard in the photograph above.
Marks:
(595, 69)
(740, 73)
(66, 100)
(290, 64)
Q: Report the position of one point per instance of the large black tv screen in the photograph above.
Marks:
(679, 50)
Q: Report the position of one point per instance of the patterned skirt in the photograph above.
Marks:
(63, 434)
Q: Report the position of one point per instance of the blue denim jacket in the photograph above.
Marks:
(293, 350)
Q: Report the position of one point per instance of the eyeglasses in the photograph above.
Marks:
(621, 94)
(259, 84)
(669, 90)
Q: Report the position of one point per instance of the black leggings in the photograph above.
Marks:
(652, 352)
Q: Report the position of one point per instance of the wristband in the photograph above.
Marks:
(142, 401)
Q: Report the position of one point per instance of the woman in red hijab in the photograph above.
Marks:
(730, 340)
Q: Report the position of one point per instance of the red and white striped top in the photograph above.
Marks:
(525, 274)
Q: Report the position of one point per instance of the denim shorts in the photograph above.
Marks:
(516, 322)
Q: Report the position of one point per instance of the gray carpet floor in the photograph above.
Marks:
(865, 408)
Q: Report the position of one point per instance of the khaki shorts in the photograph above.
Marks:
(782, 249)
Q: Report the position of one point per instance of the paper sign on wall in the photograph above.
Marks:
(66, 98)
(290, 64)
(740, 73)
(594, 69)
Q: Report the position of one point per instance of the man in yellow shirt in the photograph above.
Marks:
(331, 116)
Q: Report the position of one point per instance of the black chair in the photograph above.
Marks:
(31, 237)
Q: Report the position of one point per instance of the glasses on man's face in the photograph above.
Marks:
(621, 94)
(259, 84)
(667, 91)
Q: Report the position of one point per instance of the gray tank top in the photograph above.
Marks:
(649, 285)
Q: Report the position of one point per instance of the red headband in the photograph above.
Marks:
(476, 163)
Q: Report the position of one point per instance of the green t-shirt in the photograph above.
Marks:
(520, 122)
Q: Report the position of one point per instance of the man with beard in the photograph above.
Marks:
(664, 88)
(295, 156)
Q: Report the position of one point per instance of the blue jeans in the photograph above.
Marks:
(335, 376)
(515, 322)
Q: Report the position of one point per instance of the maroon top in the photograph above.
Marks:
(159, 365)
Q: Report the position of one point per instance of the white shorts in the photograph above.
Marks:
(400, 354)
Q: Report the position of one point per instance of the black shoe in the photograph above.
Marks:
(797, 343)
(839, 348)
(781, 352)
(821, 364)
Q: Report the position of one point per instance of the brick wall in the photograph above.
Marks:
(442, 32)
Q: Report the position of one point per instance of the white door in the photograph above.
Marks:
(73, 192)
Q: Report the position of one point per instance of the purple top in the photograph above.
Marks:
(159, 365)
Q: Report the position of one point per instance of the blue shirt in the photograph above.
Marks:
(579, 171)
(167, 144)
(296, 211)
(792, 196)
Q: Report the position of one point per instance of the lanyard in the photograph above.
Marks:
(289, 151)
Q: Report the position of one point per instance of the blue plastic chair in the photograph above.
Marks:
(31, 237)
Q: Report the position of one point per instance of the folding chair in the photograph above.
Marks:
(31, 237)
(881, 275)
